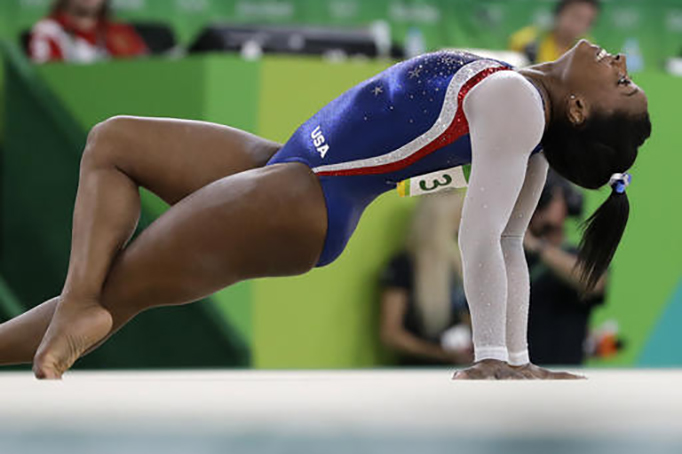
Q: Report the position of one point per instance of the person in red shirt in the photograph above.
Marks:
(82, 31)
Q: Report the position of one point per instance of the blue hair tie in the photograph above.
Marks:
(620, 181)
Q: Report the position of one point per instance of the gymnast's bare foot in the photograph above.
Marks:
(75, 327)
(490, 369)
(539, 373)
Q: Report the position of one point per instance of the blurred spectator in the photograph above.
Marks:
(82, 31)
(573, 20)
(558, 321)
(417, 289)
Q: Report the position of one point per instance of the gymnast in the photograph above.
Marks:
(244, 207)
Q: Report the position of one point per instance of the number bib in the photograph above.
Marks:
(454, 178)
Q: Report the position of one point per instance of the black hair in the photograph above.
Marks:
(558, 9)
(588, 155)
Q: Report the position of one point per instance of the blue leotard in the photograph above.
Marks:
(406, 121)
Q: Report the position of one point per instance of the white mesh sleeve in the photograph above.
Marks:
(518, 282)
(506, 121)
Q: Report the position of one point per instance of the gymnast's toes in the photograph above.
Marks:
(44, 368)
(72, 332)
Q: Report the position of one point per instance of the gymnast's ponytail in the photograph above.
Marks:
(591, 155)
(602, 232)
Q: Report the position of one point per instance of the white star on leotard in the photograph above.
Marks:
(415, 72)
(377, 90)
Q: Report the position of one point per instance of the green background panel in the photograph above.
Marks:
(294, 89)
(93, 93)
(663, 345)
(231, 90)
(222, 88)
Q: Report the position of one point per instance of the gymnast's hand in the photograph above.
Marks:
(539, 373)
(492, 369)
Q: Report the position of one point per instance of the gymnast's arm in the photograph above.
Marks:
(518, 281)
(506, 121)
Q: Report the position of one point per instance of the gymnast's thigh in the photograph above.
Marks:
(173, 157)
(268, 221)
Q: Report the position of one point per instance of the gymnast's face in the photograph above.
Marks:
(597, 81)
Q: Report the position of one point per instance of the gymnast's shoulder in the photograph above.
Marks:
(507, 102)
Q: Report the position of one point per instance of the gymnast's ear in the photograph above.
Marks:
(576, 110)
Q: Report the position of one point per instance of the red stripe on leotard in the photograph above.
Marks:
(457, 129)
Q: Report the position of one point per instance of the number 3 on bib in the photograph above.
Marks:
(454, 178)
(435, 184)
